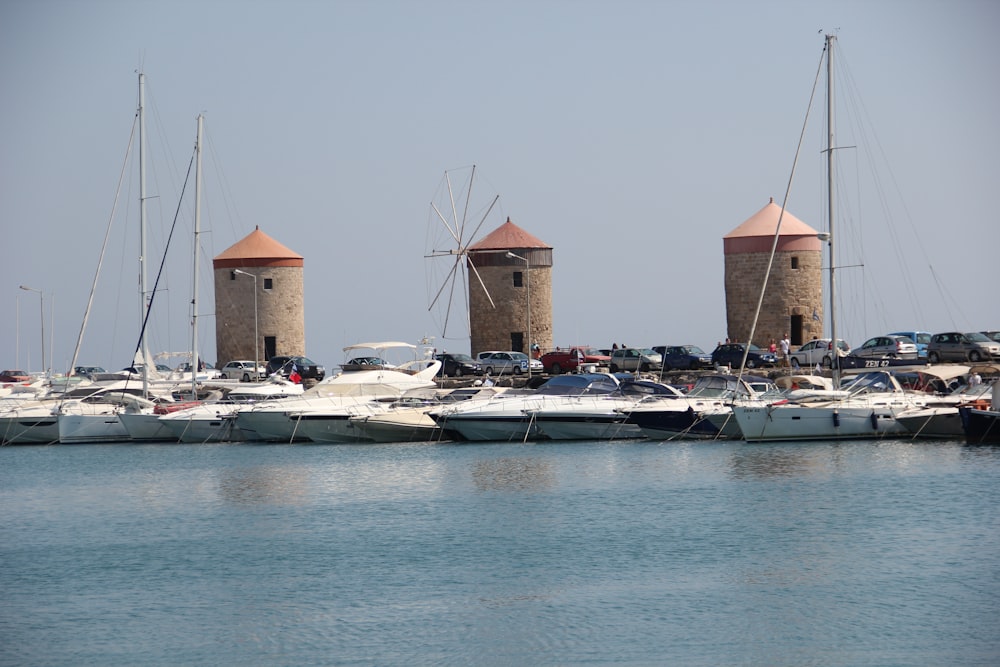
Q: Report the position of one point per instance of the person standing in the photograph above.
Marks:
(786, 347)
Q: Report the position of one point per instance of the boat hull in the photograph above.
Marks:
(83, 429)
(788, 421)
(981, 426)
(27, 430)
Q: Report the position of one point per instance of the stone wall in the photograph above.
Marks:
(789, 292)
(280, 312)
(491, 327)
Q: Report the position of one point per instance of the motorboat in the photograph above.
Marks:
(408, 419)
(514, 415)
(594, 416)
(341, 396)
(982, 424)
(705, 412)
(939, 416)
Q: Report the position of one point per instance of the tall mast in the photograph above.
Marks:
(142, 230)
(830, 39)
(197, 232)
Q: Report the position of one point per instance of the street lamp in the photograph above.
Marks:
(41, 309)
(256, 338)
(527, 290)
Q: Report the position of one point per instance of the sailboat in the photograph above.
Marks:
(867, 408)
(143, 422)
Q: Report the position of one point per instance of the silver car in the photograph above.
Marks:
(505, 363)
(957, 346)
(887, 347)
(635, 359)
(817, 351)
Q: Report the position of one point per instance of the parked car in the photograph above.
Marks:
(457, 365)
(244, 371)
(14, 376)
(86, 371)
(731, 354)
(683, 357)
(887, 347)
(635, 359)
(993, 335)
(919, 338)
(497, 362)
(957, 346)
(569, 359)
(304, 366)
(817, 351)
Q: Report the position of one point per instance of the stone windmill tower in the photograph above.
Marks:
(258, 300)
(515, 309)
(793, 302)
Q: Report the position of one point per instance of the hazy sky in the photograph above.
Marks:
(630, 136)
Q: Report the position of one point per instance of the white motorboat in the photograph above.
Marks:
(704, 412)
(280, 421)
(513, 415)
(409, 420)
(599, 416)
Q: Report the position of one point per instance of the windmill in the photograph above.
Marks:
(457, 214)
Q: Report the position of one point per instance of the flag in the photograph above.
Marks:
(294, 375)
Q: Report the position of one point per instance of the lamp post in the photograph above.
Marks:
(527, 291)
(256, 338)
(41, 310)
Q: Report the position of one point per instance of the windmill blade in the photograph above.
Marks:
(454, 232)
(450, 278)
(485, 215)
(472, 265)
(468, 198)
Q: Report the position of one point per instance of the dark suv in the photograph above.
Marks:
(731, 354)
(457, 365)
(306, 367)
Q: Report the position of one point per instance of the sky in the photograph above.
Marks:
(630, 136)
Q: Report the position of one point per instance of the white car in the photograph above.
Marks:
(817, 351)
(506, 362)
(242, 371)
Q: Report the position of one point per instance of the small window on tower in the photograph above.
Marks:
(268, 283)
(795, 262)
(518, 279)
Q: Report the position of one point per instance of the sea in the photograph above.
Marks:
(693, 553)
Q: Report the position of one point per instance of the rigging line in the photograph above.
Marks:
(104, 246)
(163, 261)
(874, 142)
(232, 212)
(784, 203)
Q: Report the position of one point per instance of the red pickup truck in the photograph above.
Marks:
(569, 359)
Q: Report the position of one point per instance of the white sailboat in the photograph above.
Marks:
(871, 403)
(143, 423)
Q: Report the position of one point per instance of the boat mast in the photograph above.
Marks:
(197, 232)
(142, 230)
(830, 39)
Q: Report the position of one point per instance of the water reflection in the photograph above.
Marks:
(752, 462)
(513, 474)
(263, 484)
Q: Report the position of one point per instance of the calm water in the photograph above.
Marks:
(645, 553)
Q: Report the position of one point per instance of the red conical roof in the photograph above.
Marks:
(256, 249)
(756, 234)
(508, 235)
